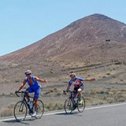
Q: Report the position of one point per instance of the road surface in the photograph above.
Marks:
(106, 115)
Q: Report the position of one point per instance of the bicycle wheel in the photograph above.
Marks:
(81, 104)
(68, 106)
(40, 109)
(20, 110)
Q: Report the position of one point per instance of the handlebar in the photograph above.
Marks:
(65, 92)
(23, 94)
(19, 92)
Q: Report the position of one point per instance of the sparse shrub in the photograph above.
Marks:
(11, 94)
(51, 71)
(108, 73)
(17, 81)
(121, 79)
(58, 94)
(104, 77)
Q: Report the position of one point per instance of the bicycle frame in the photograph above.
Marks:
(73, 95)
(24, 99)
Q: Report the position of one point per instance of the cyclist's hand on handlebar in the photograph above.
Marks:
(64, 92)
(16, 92)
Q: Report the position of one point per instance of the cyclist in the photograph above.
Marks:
(34, 87)
(77, 84)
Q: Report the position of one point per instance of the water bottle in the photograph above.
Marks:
(30, 104)
(75, 99)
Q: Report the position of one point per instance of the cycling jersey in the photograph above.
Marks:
(35, 84)
(34, 87)
(76, 83)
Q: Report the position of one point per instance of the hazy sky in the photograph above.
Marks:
(23, 22)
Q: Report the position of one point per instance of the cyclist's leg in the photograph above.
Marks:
(75, 91)
(28, 90)
(80, 93)
(36, 96)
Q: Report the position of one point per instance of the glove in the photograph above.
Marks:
(64, 92)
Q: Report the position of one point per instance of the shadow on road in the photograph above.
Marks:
(25, 122)
(69, 114)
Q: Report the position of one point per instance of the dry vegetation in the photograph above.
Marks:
(109, 87)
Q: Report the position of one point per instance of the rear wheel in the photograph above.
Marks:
(68, 106)
(20, 111)
(81, 104)
(40, 109)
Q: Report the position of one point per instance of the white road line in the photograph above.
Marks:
(59, 112)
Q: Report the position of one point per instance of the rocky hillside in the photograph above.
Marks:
(90, 39)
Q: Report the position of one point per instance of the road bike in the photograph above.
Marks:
(24, 107)
(74, 101)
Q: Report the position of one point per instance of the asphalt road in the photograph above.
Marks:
(107, 115)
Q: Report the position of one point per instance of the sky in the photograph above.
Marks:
(23, 22)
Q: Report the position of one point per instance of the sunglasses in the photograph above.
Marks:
(27, 74)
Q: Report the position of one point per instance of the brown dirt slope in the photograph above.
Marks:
(84, 39)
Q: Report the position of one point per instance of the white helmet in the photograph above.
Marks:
(28, 72)
(72, 74)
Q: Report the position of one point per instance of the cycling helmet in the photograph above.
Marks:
(28, 72)
(72, 74)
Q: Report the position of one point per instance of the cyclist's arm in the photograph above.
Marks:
(89, 79)
(22, 85)
(85, 79)
(68, 87)
(40, 80)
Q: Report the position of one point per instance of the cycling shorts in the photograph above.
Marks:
(35, 91)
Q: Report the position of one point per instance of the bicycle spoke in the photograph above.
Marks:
(81, 104)
(20, 110)
(68, 106)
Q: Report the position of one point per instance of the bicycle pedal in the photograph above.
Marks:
(74, 107)
(30, 112)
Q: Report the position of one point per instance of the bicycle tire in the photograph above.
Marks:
(81, 106)
(20, 110)
(40, 109)
(68, 106)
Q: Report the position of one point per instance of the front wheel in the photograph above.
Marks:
(68, 106)
(20, 110)
(81, 104)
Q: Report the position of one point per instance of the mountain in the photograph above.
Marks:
(84, 39)
(90, 40)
